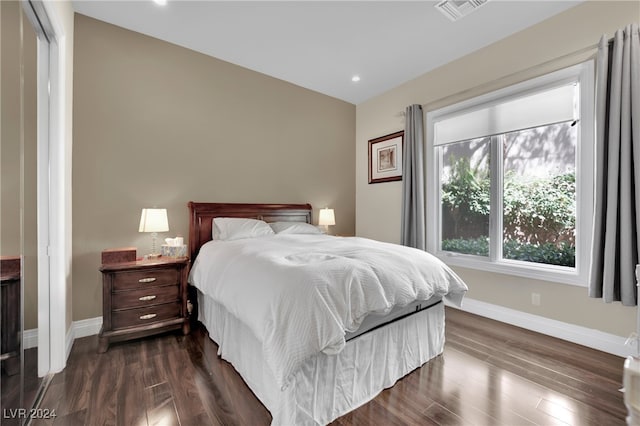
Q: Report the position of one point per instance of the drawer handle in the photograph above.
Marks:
(146, 280)
(148, 316)
(147, 298)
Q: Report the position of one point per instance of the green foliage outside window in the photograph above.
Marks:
(538, 216)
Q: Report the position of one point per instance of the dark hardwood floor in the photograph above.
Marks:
(490, 374)
(10, 386)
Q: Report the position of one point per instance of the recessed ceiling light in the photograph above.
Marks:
(160, 2)
(355, 78)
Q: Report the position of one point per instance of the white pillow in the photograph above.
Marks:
(294, 228)
(233, 228)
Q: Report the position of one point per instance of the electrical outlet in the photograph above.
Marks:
(535, 299)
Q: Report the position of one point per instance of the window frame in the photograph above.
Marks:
(582, 73)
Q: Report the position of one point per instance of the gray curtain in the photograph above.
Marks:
(617, 203)
(413, 175)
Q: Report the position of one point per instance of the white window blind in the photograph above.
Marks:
(524, 112)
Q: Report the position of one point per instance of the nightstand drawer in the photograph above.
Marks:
(145, 278)
(143, 316)
(145, 297)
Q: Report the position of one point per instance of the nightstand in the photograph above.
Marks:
(142, 298)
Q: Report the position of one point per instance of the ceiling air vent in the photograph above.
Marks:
(456, 9)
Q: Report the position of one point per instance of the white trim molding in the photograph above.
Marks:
(78, 329)
(30, 338)
(59, 268)
(584, 336)
(82, 328)
(86, 327)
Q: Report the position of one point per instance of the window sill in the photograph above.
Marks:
(555, 274)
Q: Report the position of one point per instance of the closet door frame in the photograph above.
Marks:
(52, 333)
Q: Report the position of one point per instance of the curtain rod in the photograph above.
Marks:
(513, 74)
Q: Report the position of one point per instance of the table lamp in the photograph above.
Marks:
(326, 218)
(154, 221)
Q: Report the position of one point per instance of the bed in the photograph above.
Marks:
(316, 325)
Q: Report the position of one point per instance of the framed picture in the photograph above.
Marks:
(385, 158)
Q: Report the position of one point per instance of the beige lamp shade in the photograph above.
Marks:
(326, 217)
(154, 220)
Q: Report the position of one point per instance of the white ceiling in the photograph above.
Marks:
(320, 45)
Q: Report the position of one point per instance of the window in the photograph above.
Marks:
(510, 178)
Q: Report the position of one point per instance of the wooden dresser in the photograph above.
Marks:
(142, 298)
(10, 321)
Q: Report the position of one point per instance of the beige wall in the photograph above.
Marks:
(516, 58)
(159, 125)
(10, 190)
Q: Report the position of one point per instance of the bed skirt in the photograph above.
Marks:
(328, 386)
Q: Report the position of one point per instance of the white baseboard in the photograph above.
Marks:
(78, 329)
(70, 337)
(82, 328)
(584, 336)
(30, 338)
(87, 327)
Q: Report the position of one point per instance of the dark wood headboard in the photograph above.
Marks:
(201, 216)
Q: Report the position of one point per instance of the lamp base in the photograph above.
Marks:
(154, 255)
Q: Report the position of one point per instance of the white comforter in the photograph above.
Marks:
(299, 293)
